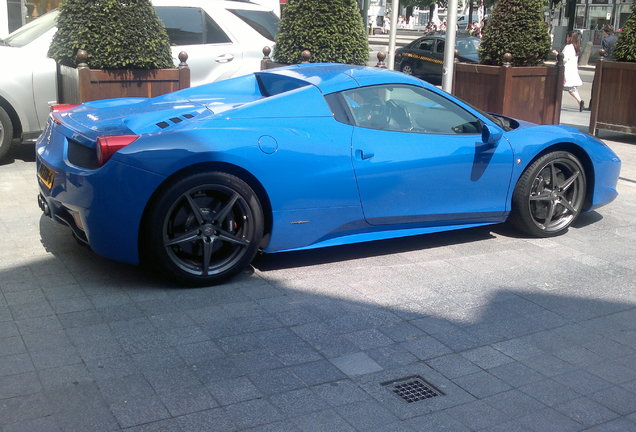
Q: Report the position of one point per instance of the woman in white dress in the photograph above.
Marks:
(571, 78)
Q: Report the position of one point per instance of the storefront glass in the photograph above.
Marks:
(598, 16)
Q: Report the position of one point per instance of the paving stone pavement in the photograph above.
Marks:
(517, 334)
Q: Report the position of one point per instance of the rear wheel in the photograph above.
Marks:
(6, 133)
(204, 228)
(549, 195)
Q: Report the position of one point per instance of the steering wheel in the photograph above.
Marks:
(400, 116)
(376, 114)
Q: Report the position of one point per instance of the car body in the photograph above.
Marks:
(302, 157)
(424, 57)
(223, 39)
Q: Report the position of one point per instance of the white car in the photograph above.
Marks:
(223, 39)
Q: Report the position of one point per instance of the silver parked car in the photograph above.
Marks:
(223, 39)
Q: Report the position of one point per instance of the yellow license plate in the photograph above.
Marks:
(46, 175)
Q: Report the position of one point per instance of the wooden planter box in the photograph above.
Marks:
(268, 63)
(81, 84)
(613, 97)
(530, 93)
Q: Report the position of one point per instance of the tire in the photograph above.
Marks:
(203, 229)
(6, 133)
(549, 195)
(407, 69)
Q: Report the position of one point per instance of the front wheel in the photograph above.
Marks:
(203, 229)
(549, 195)
(407, 69)
(6, 132)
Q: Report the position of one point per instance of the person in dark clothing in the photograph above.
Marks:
(609, 40)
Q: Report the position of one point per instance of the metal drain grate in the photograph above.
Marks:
(413, 389)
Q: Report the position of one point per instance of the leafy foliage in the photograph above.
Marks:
(331, 29)
(116, 34)
(517, 27)
(625, 49)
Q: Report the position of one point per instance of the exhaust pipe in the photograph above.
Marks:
(44, 206)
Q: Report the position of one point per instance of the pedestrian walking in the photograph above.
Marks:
(609, 40)
(571, 78)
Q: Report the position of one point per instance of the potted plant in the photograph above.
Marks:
(614, 87)
(122, 49)
(511, 78)
(332, 30)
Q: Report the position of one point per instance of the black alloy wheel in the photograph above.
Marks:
(549, 195)
(205, 228)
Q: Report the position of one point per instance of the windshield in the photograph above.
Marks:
(33, 30)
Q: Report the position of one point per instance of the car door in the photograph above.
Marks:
(424, 52)
(212, 54)
(419, 158)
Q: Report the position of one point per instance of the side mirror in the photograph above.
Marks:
(490, 134)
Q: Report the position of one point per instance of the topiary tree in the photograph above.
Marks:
(517, 27)
(116, 34)
(625, 49)
(331, 29)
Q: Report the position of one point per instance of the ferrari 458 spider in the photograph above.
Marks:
(197, 181)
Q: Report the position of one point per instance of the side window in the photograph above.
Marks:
(265, 23)
(440, 47)
(213, 33)
(190, 26)
(426, 45)
(368, 107)
(184, 24)
(405, 108)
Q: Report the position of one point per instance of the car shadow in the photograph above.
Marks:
(18, 151)
(617, 136)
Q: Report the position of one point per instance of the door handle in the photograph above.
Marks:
(364, 156)
(224, 58)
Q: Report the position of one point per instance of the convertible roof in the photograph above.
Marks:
(334, 77)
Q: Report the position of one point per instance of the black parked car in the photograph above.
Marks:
(424, 57)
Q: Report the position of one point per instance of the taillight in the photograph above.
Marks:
(62, 107)
(108, 145)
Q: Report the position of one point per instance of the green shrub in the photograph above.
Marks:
(116, 34)
(517, 27)
(331, 29)
(625, 49)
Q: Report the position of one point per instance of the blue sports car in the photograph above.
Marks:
(196, 182)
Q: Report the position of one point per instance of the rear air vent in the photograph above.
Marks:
(81, 155)
(174, 120)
